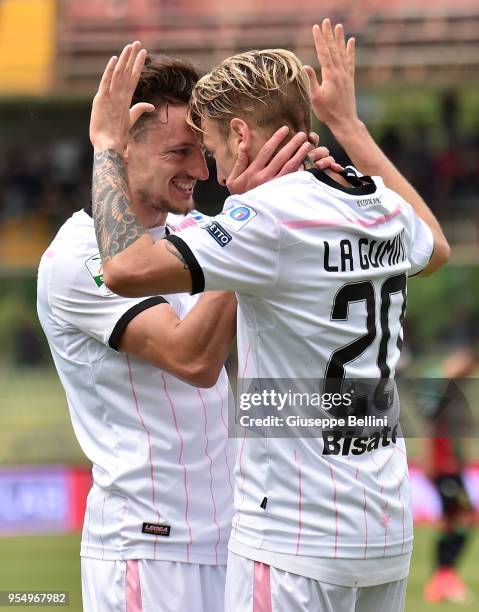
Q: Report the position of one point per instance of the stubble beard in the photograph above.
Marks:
(163, 206)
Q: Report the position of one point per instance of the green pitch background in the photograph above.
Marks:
(52, 562)
(36, 429)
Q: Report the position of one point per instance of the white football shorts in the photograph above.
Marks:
(252, 586)
(147, 585)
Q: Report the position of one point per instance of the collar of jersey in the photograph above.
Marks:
(366, 187)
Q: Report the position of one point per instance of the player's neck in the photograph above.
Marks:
(148, 215)
(337, 177)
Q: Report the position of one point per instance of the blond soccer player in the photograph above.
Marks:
(319, 262)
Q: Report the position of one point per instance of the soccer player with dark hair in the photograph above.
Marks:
(144, 377)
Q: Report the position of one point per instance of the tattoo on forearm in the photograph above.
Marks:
(174, 251)
(116, 226)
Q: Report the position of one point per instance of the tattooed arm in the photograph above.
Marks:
(116, 226)
(132, 263)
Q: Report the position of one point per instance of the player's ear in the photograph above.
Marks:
(240, 133)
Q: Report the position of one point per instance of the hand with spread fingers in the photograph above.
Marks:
(334, 100)
(272, 163)
(111, 116)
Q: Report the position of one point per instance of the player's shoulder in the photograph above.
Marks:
(176, 223)
(76, 236)
(73, 258)
(267, 199)
(397, 203)
(282, 185)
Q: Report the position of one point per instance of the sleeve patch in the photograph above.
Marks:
(95, 268)
(218, 233)
(236, 218)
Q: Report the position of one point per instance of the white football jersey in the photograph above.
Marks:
(162, 487)
(320, 272)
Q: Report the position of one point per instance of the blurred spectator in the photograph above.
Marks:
(42, 181)
(28, 346)
(51, 181)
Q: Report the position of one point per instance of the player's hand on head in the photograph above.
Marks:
(334, 99)
(270, 162)
(320, 156)
(111, 116)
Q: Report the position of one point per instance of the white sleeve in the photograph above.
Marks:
(80, 300)
(237, 250)
(422, 244)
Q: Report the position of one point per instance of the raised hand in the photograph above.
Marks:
(267, 165)
(111, 116)
(334, 100)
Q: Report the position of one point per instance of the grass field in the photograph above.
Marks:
(36, 429)
(36, 425)
(41, 563)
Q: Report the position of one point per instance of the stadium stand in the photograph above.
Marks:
(399, 40)
(59, 48)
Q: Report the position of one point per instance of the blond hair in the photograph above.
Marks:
(269, 87)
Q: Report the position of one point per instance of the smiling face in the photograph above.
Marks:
(164, 161)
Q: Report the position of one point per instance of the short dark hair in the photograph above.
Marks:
(163, 80)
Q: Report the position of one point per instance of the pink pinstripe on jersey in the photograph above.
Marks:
(211, 476)
(226, 428)
(403, 506)
(148, 437)
(331, 473)
(243, 444)
(185, 470)
(298, 540)
(365, 509)
(102, 526)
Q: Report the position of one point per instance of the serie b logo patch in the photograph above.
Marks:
(240, 213)
(94, 267)
(236, 218)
